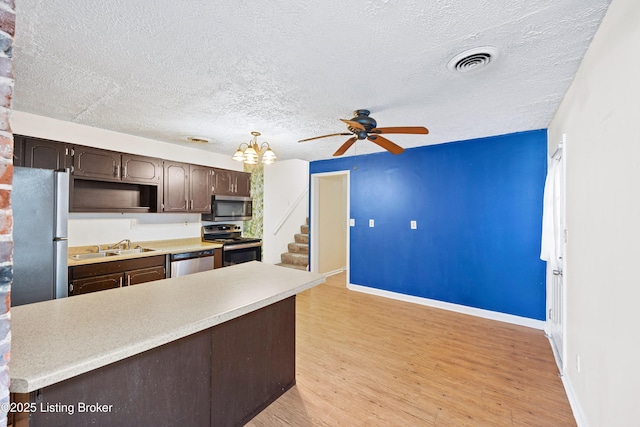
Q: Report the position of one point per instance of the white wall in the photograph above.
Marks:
(284, 183)
(45, 127)
(600, 115)
(89, 229)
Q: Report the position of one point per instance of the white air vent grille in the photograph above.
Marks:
(473, 59)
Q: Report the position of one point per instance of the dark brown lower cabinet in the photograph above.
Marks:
(144, 275)
(115, 274)
(96, 283)
(222, 376)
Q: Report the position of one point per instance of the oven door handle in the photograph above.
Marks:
(241, 246)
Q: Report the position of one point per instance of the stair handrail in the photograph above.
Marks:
(290, 210)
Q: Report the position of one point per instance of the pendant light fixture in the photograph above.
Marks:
(251, 153)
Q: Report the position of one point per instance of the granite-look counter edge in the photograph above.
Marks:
(59, 339)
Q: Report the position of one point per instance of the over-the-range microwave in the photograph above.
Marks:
(229, 208)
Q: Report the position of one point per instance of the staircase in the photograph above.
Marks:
(298, 255)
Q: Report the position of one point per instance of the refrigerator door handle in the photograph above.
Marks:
(60, 271)
(61, 201)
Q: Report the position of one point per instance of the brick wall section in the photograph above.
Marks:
(7, 28)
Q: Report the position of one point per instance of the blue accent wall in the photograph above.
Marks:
(478, 205)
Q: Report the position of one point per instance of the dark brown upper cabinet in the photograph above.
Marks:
(186, 188)
(18, 150)
(44, 154)
(231, 183)
(176, 187)
(200, 188)
(95, 163)
(105, 165)
(109, 181)
(243, 184)
(141, 169)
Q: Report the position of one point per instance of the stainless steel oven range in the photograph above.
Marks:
(235, 248)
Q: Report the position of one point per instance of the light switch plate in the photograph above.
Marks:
(370, 223)
(414, 225)
(352, 222)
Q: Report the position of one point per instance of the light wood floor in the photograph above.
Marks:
(364, 360)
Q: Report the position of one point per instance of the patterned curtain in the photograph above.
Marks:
(253, 228)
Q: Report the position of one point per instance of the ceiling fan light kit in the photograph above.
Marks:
(251, 153)
(362, 126)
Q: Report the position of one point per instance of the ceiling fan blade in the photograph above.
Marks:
(353, 124)
(402, 129)
(344, 147)
(325, 136)
(386, 144)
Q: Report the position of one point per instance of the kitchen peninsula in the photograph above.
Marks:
(211, 348)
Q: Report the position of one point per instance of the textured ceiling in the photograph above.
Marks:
(168, 69)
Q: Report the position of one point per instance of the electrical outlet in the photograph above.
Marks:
(352, 222)
(133, 224)
(414, 225)
(370, 223)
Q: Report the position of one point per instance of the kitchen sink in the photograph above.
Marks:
(110, 252)
(88, 256)
(128, 251)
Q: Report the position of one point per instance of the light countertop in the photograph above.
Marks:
(160, 247)
(58, 339)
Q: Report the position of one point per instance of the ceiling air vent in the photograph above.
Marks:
(197, 139)
(473, 59)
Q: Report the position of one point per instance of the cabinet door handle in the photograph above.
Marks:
(124, 172)
(120, 281)
(128, 280)
(116, 170)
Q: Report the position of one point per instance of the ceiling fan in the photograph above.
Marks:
(364, 127)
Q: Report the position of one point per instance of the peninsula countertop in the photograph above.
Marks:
(59, 339)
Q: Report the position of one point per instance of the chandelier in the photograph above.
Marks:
(251, 153)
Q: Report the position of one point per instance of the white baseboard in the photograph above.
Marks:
(576, 408)
(487, 314)
(331, 273)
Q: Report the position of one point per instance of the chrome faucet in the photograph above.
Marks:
(120, 244)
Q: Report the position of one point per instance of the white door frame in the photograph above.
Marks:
(315, 213)
(557, 298)
(563, 210)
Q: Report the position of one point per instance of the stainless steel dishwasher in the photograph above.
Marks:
(191, 262)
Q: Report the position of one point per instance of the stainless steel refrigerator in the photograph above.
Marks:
(40, 203)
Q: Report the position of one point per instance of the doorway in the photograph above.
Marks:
(556, 265)
(329, 222)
